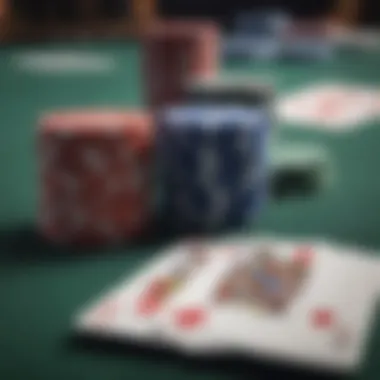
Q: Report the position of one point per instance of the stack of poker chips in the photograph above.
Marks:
(96, 176)
(257, 35)
(298, 170)
(213, 155)
(307, 41)
(97, 183)
(172, 52)
(262, 22)
(98, 168)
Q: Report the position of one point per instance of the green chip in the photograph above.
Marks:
(300, 170)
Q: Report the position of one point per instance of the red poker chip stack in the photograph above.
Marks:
(96, 175)
(173, 52)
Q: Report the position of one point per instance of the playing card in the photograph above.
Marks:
(303, 304)
(332, 107)
(191, 321)
(299, 302)
(131, 308)
(202, 318)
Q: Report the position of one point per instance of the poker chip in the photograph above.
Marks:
(263, 22)
(262, 48)
(307, 41)
(300, 170)
(95, 172)
(213, 165)
(229, 90)
(174, 51)
(257, 35)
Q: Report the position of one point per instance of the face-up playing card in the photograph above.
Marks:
(288, 301)
(201, 318)
(189, 323)
(130, 310)
(331, 107)
(315, 307)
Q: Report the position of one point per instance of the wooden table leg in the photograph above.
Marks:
(347, 12)
(5, 19)
(143, 13)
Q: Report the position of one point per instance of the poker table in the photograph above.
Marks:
(41, 286)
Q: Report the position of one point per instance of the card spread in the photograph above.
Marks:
(307, 303)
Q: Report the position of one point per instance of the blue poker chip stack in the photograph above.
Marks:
(307, 42)
(213, 164)
(257, 35)
(252, 48)
(270, 22)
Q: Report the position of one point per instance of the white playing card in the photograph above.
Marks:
(186, 323)
(196, 321)
(326, 320)
(289, 301)
(332, 107)
(130, 309)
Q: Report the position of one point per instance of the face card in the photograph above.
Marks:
(190, 323)
(202, 318)
(298, 302)
(307, 305)
(131, 308)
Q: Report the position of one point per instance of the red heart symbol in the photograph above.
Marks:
(150, 302)
(304, 255)
(190, 318)
(322, 318)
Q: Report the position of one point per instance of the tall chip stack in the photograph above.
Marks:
(173, 51)
(257, 35)
(213, 165)
(266, 22)
(96, 176)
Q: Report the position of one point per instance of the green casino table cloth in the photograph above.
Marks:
(41, 287)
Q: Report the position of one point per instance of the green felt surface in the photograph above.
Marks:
(41, 287)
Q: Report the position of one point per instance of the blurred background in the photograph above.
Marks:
(42, 18)
(57, 54)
